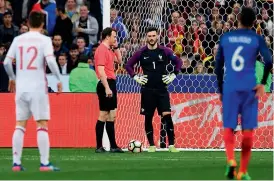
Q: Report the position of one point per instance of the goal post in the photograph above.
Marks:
(192, 30)
(106, 23)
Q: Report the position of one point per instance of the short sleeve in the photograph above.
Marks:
(101, 56)
(48, 48)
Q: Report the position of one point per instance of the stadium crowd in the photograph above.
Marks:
(191, 28)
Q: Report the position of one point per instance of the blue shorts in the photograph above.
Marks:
(243, 103)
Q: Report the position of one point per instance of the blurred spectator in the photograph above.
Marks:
(91, 59)
(86, 26)
(82, 46)
(117, 23)
(260, 26)
(269, 43)
(48, 7)
(72, 58)
(23, 29)
(227, 27)
(4, 79)
(268, 22)
(200, 69)
(61, 22)
(71, 10)
(209, 62)
(251, 4)
(58, 45)
(175, 34)
(2, 10)
(8, 31)
(62, 63)
(236, 9)
(186, 67)
(2, 52)
(82, 78)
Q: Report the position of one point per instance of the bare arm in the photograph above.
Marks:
(103, 76)
(8, 68)
(51, 61)
(118, 56)
(8, 60)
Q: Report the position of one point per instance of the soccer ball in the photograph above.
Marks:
(135, 146)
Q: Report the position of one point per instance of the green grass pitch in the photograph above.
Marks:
(84, 164)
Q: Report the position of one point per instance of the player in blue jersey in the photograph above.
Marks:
(154, 59)
(239, 93)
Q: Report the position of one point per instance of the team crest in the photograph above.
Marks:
(160, 58)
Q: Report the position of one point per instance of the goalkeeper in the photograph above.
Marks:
(154, 59)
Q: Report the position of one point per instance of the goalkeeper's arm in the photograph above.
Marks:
(131, 62)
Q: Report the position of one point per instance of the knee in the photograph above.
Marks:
(42, 123)
(103, 116)
(111, 118)
(247, 139)
(21, 124)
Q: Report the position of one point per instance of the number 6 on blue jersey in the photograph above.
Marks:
(237, 58)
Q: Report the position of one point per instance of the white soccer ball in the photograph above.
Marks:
(135, 146)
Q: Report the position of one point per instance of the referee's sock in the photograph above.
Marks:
(149, 129)
(169, 128)
(99, 133)
(111, 134)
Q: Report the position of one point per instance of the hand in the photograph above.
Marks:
(12, 86)
(78, 30)
(141, 79)
(108, 93)
(59, 88)
(259, 90)
(167, 79)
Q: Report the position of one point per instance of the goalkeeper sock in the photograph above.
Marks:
(43, 145)
(17, 144)
(169, 128)
(111, 134)
(229, 139)
(149, 129)
(99, 133)
(247, 142)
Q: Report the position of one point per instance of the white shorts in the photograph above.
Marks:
(32, 104)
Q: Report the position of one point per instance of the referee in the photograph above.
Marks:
(105, 55)
(154, 59)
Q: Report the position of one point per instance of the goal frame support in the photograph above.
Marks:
(106, 23)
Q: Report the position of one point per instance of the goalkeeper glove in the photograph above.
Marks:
(141, 79)
(167, 79)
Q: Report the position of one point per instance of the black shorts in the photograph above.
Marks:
(107, 103)
(152, 99)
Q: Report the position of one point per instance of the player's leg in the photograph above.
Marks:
(40, 109)
(249, 123)
(231, 102)
(100, 125)
(22, 115)
(164, 109)
(103, 116)
(148, 106)
(110, 126)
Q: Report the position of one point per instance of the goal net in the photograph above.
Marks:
(192, 30)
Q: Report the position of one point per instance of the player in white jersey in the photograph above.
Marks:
(31, 51)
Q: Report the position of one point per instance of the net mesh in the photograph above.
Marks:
(192, 30)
